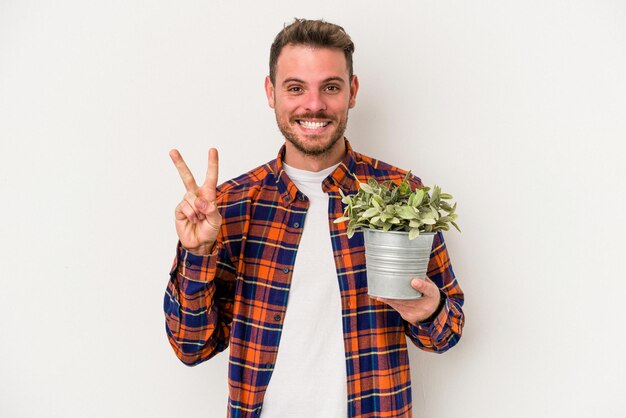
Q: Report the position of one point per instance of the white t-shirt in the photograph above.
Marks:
(309, 377)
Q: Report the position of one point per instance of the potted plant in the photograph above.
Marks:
(398, 227)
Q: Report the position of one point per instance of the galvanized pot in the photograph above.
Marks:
(393, 260)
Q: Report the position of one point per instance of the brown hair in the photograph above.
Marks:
(314, 33)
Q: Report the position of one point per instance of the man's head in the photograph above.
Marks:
(311, 88)
(313, 33)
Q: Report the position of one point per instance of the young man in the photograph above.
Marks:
(261, 266)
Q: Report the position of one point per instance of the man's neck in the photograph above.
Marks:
(315, 163)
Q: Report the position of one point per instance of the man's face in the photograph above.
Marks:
(311, 97)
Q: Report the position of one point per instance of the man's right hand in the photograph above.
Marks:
(197, 218)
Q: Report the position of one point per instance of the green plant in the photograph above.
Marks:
(395, 207)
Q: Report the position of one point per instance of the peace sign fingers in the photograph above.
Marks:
(198, 220)
(183, 171)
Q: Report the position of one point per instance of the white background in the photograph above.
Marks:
(516, 108)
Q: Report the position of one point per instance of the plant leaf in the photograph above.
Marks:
(372, 182)
(366, 188)
(341, 219)
(418, 198)
(370, 212)
(436, 192)
(426, 212)
(414, 223)
(406, 212)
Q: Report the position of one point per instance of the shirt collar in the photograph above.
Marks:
(341, 177)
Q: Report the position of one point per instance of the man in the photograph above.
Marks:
(261, 266)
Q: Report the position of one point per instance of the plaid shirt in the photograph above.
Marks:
(238, 294)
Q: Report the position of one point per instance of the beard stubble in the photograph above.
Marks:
(312, 151)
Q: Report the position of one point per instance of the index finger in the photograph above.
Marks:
(210, 182)
(183, 171)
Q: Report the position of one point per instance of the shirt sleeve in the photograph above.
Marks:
(198, 304)
(444, 331)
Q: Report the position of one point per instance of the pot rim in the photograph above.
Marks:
(395, 232)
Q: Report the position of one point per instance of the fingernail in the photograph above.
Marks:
(202, 203)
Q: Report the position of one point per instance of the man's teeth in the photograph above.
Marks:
(312, 125)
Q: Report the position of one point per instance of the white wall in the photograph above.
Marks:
(517, 108)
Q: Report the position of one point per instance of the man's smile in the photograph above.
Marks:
(312, 124)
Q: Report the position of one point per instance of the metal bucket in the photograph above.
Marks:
(393, 260)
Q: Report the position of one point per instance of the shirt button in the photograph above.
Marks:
(301, 197)
(296, 224)
(268, 366)
(258, 411)
(287, 198)
(276, 317)
(188, 263)
(285, 270)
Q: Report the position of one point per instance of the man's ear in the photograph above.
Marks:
(269, 91)
(354, 88)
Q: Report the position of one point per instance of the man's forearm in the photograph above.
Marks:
(197, 326)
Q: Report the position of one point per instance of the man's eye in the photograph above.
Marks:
(295, 89)
(332, 88)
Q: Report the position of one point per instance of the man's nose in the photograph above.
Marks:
(315, 102)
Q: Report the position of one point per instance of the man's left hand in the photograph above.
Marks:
(417, 310)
